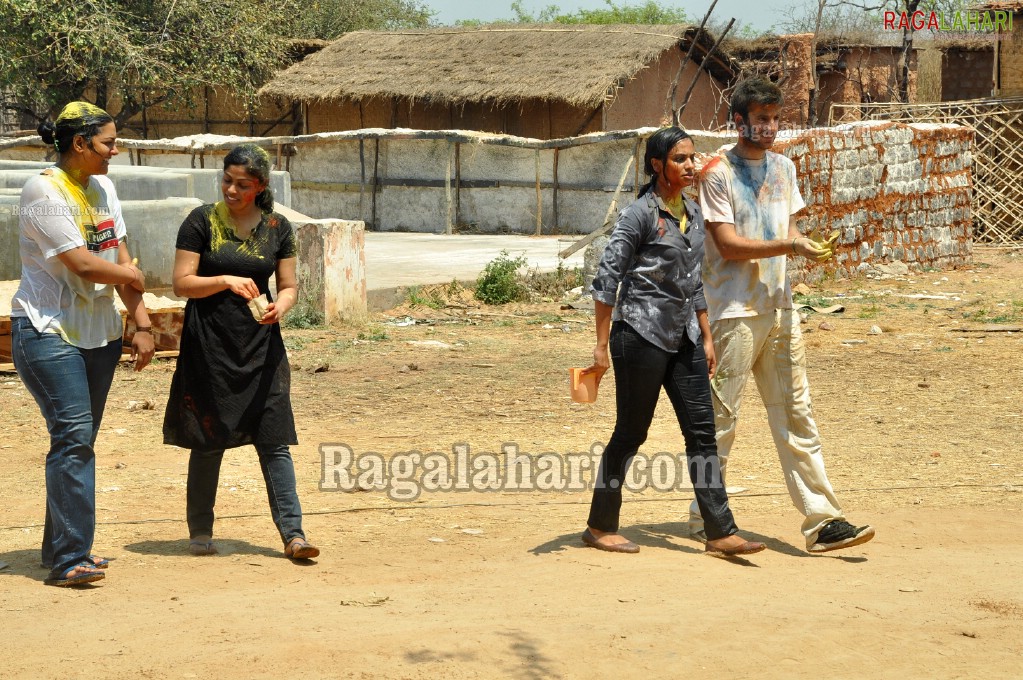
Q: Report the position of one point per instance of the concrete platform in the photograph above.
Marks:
(396, 261)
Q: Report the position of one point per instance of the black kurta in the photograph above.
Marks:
(232, 383)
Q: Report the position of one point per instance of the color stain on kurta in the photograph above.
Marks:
(222, 233)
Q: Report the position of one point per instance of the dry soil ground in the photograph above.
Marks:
(921, 427)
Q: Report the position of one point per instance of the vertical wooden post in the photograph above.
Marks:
(206, 109)
(638, 162)
(557, 224)
(447, 193)
(539, 195)
(362, 175)
(376, 170)
(145, 117)
(458, 184)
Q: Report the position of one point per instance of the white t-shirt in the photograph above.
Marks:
(57, 215)
(758, 197)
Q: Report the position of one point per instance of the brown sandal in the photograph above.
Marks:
(299, 549)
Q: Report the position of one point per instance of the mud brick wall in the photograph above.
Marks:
(895, 191)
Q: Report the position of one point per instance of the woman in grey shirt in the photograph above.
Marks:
(648, 283)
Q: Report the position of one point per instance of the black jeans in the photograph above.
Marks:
(641, 370)
(278, 473)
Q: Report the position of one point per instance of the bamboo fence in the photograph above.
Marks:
(997, 156)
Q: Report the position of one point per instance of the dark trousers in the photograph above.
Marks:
(278, 473)
(641, 370)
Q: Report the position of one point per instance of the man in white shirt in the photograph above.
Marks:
(750, 198)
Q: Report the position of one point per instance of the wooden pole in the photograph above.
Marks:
(376, 171)
(681, 67)
(609, 217)
(556, 228)
(707, 56)
(458, 184)
(206, 109)
(362, 174)
(447, 193)
(539, 196)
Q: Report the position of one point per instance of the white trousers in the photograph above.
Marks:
(770, 346)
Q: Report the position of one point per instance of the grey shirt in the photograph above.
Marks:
(658, 269)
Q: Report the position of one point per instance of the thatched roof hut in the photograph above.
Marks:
(1007, 69)
(586, 68)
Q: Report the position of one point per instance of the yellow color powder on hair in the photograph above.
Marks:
(79, 110)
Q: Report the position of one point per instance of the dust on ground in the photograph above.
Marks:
(920, 425)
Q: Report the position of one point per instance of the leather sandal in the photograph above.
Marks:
(592, 541)
(299, 549)
(747, 548)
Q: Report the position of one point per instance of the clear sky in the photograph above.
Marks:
(760, 14)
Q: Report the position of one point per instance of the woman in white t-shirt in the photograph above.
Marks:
(66, 332)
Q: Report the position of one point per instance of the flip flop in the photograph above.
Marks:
(299, 549)
(88, 574)
(99, 562)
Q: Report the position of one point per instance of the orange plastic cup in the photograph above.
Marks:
(583, 385)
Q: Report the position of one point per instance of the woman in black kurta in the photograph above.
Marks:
(232, 382)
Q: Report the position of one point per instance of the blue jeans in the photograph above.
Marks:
(70, 385)
(278, 474)
(641, 370)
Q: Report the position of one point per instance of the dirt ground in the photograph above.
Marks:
(920, 427)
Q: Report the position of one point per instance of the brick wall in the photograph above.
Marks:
(896, 192)
(1011, 59)
(967, 73)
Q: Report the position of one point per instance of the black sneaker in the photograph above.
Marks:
(840, 534)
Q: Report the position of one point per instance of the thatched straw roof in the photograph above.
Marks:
(580, 65)
(1009, 5)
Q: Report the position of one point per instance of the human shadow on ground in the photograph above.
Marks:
(225, 547)
(675, 536)
(26, 563)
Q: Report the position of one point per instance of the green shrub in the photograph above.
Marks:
(416, 297)
(499, 284)
(553, 285)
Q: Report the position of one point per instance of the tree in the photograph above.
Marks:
(849, 18)
(649, 12)
(135, 53)
(328, 19)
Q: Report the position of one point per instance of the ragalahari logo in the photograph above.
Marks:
(960, 21)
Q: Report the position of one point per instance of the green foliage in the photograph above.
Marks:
(329, 19)
(545, 318)
(303, 315)
(1006, 313)
(415, 297)
(811, 300)
(649, 12)
(373, 335)
(136, 52)
(871, 312)
(551, 285)
(498, 283)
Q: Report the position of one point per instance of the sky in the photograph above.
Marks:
(760, 14)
